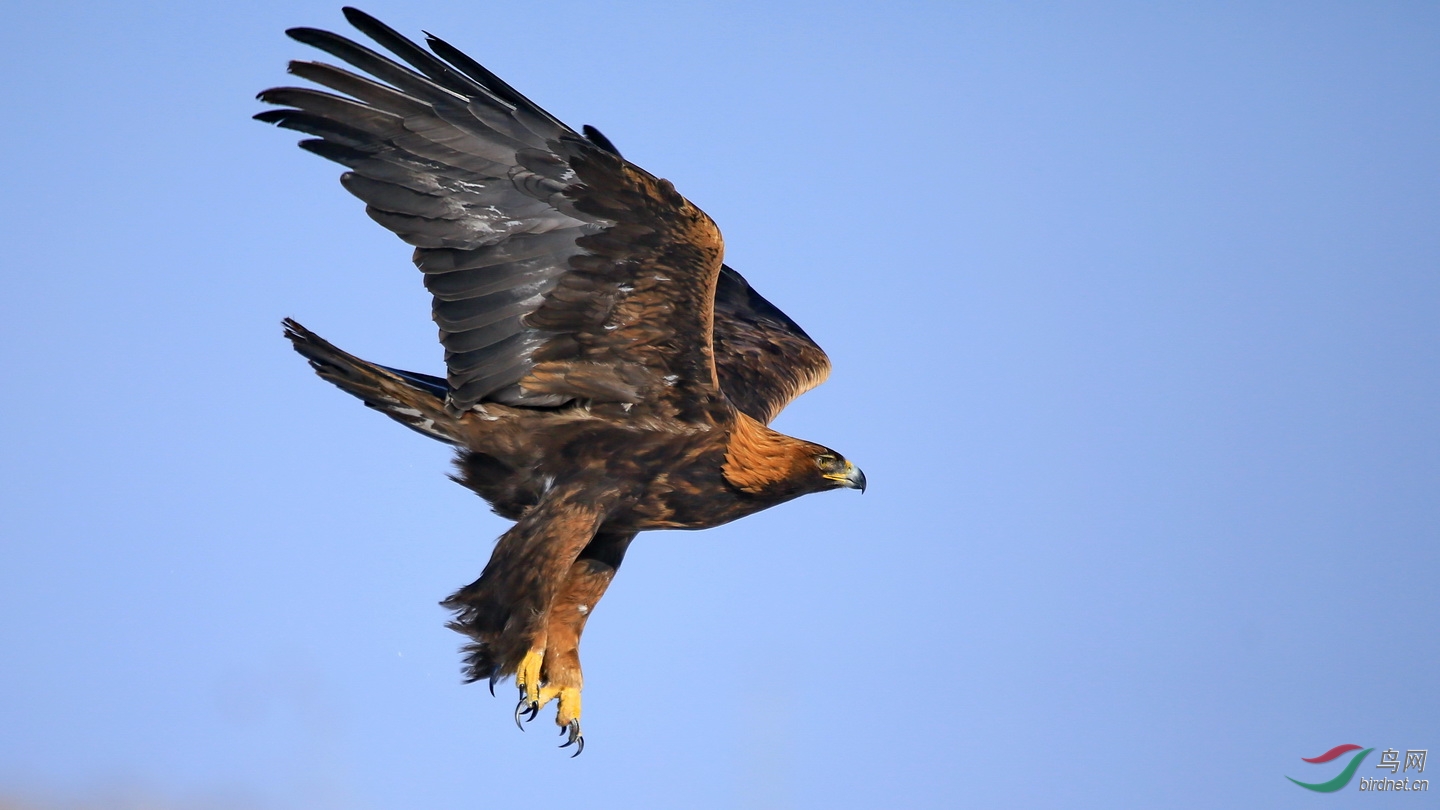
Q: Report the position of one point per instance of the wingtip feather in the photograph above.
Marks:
(304, 33)
(355, 16)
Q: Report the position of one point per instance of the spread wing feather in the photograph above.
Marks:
(765, 360)
(558, 270)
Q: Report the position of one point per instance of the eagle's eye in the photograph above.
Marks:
(825, 460)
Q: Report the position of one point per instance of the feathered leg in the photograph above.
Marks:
(589, 576)
(506, 611)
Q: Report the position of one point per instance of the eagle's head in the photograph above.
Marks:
(761, 461)
(837, 471)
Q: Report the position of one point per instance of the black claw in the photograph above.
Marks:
(493, 678)
(576, 739)
(521, 708)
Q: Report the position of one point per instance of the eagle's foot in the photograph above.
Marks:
(527, 676)
(567, 708)
(567, 712)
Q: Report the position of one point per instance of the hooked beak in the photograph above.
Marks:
(854, 478)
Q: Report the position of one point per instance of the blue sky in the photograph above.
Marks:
(1135, 316)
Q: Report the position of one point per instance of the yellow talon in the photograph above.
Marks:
(568, 710)
(527, 677)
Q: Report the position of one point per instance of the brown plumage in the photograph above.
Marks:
(606, 373)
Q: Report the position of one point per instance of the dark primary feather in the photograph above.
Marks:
(598, 138)
(558, 270)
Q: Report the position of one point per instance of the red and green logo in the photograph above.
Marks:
(1343, 778)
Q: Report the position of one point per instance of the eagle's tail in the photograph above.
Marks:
(416, 401)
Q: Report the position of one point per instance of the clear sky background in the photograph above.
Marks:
(1135, 316)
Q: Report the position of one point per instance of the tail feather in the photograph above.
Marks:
(416, 401)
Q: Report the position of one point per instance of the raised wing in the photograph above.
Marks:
(559, 271)
(765, 359)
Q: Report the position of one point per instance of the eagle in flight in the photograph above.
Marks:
(606, 373)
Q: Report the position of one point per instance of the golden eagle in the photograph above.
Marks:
(605, 372)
